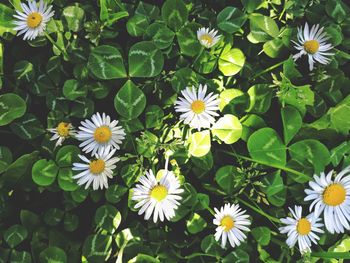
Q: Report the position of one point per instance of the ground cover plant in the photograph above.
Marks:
(174, 131)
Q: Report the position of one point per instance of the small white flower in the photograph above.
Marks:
(100, 133)
(207, 38)
(332, 197)
(313, 44)
(197, 109)
(231, 222)
(158, 197)
(33, 20)
(301, 229)
(61, 132)
(96, 171)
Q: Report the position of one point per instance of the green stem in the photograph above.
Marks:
(268, 69)
(64, 52)
(211, 211)
(199, 254)
(258, 210)
(286, 169)
(200, 53)
(325, 254)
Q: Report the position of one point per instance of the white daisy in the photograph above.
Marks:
(157, 197)
(33, 20)
(61, 132)
(196, 109)
(333, 198)
(301, 229)
(96, 171)
(207, 38)
(100, 133)
(231, 222)
(313, 44)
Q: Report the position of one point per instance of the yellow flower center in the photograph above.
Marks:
(334, 195)
(97, 166)
(102, 134)
(159, 192)
(228, 223)
(63, 129)
(311, 46)
(303, 226)
(34, 20)
(207, 38)
(198, 106)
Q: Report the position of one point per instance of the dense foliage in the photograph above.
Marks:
(279, 124)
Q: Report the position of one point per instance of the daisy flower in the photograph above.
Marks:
(97, 170)
(333, 198)
(231, 222)
(313, 44)
(301, 229)
(158, 197)
(196, 108)
(33, 20)
(100, 133)
(207, 38)
(61, 132)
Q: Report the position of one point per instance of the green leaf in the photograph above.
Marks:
(97, 248)
(231, 19)
(262, 28)
(260, 96)
(137, 25)
(20, 257)
(27, 127)
(237, 256)
(266, 146)
(130, 101)
(273, 48)
(5, 158)
(15, 235)
(340, 152)
(210, 246)
(73, 17)
(108, 218)
(228, 129)
(24, 71)
(29, 220)
(53, 255)
(114, 193)
(231, 61)
(154, 116)
(106, 62)
(337, 10)
(292, 123)
(160, 34)
(12, 107)
(149, 10)
(143, 258)
(310, 152)
(174, 13)
(273, 183)
(70, 222)
(195, 224)
(72, 89)
(6, 20)
(187, 39)
(67, 155)
(262, 235)
(53, 216)
(199, 143)
(145, 60)
(229, 178)
(44, 172)
(66, 181)
(228, 95)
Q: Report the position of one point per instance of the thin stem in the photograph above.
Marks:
(286, 169)
(261, 212)
(329, 254)
(64, 52)
(200, 53)
(211, 211)
(268, 69)
(199, 254)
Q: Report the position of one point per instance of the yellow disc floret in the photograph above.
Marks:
(159, 192)
(207, 39)
(34, 20)
(227, 222)
(303, 226)
(102, 134)
(334, 195)
(198, 106)
(97, 166)
(311, 46)
(63, 129)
